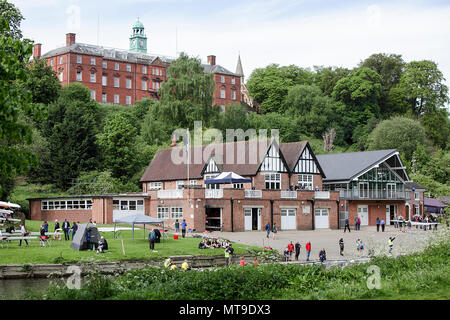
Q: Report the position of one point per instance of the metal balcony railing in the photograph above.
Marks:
(170, 194)
(374, 195)
(213, 193)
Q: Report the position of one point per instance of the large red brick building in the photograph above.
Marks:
(116, 76)
(288, 186)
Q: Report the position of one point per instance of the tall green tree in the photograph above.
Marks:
(187, 95)
(400, 133)
(14, 100)
(390, 68)
(424, 88)
(437, 127)
(118, 146)
(360, 91)
(70, 130)
(269, 86)
(327, 77)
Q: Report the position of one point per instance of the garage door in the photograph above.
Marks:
(288, 219)
(321, 219)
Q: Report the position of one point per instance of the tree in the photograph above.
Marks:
(14, 100)
(118, 145)
(423, 84)
(70, 130)
(399, 133)
(95, 182)
(42, 82)
(390, 68)
(187, 94)
(269, 86)
(327, 77)
(437, 127)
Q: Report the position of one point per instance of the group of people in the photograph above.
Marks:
(291, 248)
(208, 243)
(183, 227)
(66, 228)
(154, 236)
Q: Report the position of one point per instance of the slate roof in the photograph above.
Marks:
(126, 56)
(162, 168)
(411, 184)
(346, 166)
(430, 202)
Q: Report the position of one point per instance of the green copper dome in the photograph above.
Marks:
(138, 24)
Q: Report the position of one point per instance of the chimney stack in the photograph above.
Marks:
(212, 60)
(37, 50)
(70, 39)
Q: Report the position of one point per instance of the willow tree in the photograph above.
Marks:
(187, 95)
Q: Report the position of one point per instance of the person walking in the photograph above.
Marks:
(391, 244)
(308, 250)
(356, 223)
(378, 224)
(358, 247)
(297, 250)
(151, 239)
(267, 228)
(274, 230)
(183, 228)
(24, 234)
(383, 224)
(66, 228)
(347, 225)
(341, 247)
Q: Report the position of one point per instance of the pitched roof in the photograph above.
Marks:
(411, 184)
(430, 202)
(217, 69)
(346, 166)
(108, 53)
(243, 158)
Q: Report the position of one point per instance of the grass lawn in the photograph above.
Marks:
(137, 249)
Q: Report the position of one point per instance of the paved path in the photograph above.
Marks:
(406, 242)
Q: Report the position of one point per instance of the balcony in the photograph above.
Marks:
(170, 194)
(325, 195)
(374, 195)
(213, 193)
(288, 194)
(253, 193)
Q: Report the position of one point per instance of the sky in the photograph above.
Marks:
(305, 33)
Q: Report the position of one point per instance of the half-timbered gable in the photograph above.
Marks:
(273, 160)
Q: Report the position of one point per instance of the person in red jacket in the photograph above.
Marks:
(308, 250)
(290, 249)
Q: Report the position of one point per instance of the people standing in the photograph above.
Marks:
(383, 224)
(290, 249)
(66, 228)
(183, 228)
(297, 250)
(347, 225)
(74, 229)
(242, 262)
(274, 230)
(177, 226)
(43, 237)
(56, 225)
(229, 254)
(308, 250)
(45, 226)
(378, 224)
(356, 223)
(341, 247)
(358, 247)
(267, 228)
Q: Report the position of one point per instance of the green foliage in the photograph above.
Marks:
(327, 77)
(437, 127)
(95, 182)
(403, 277)
(423, 84)
(117, 143)
(14, 100)
(70, 130)
(269, 86)
(42, 82)
(399, 133)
